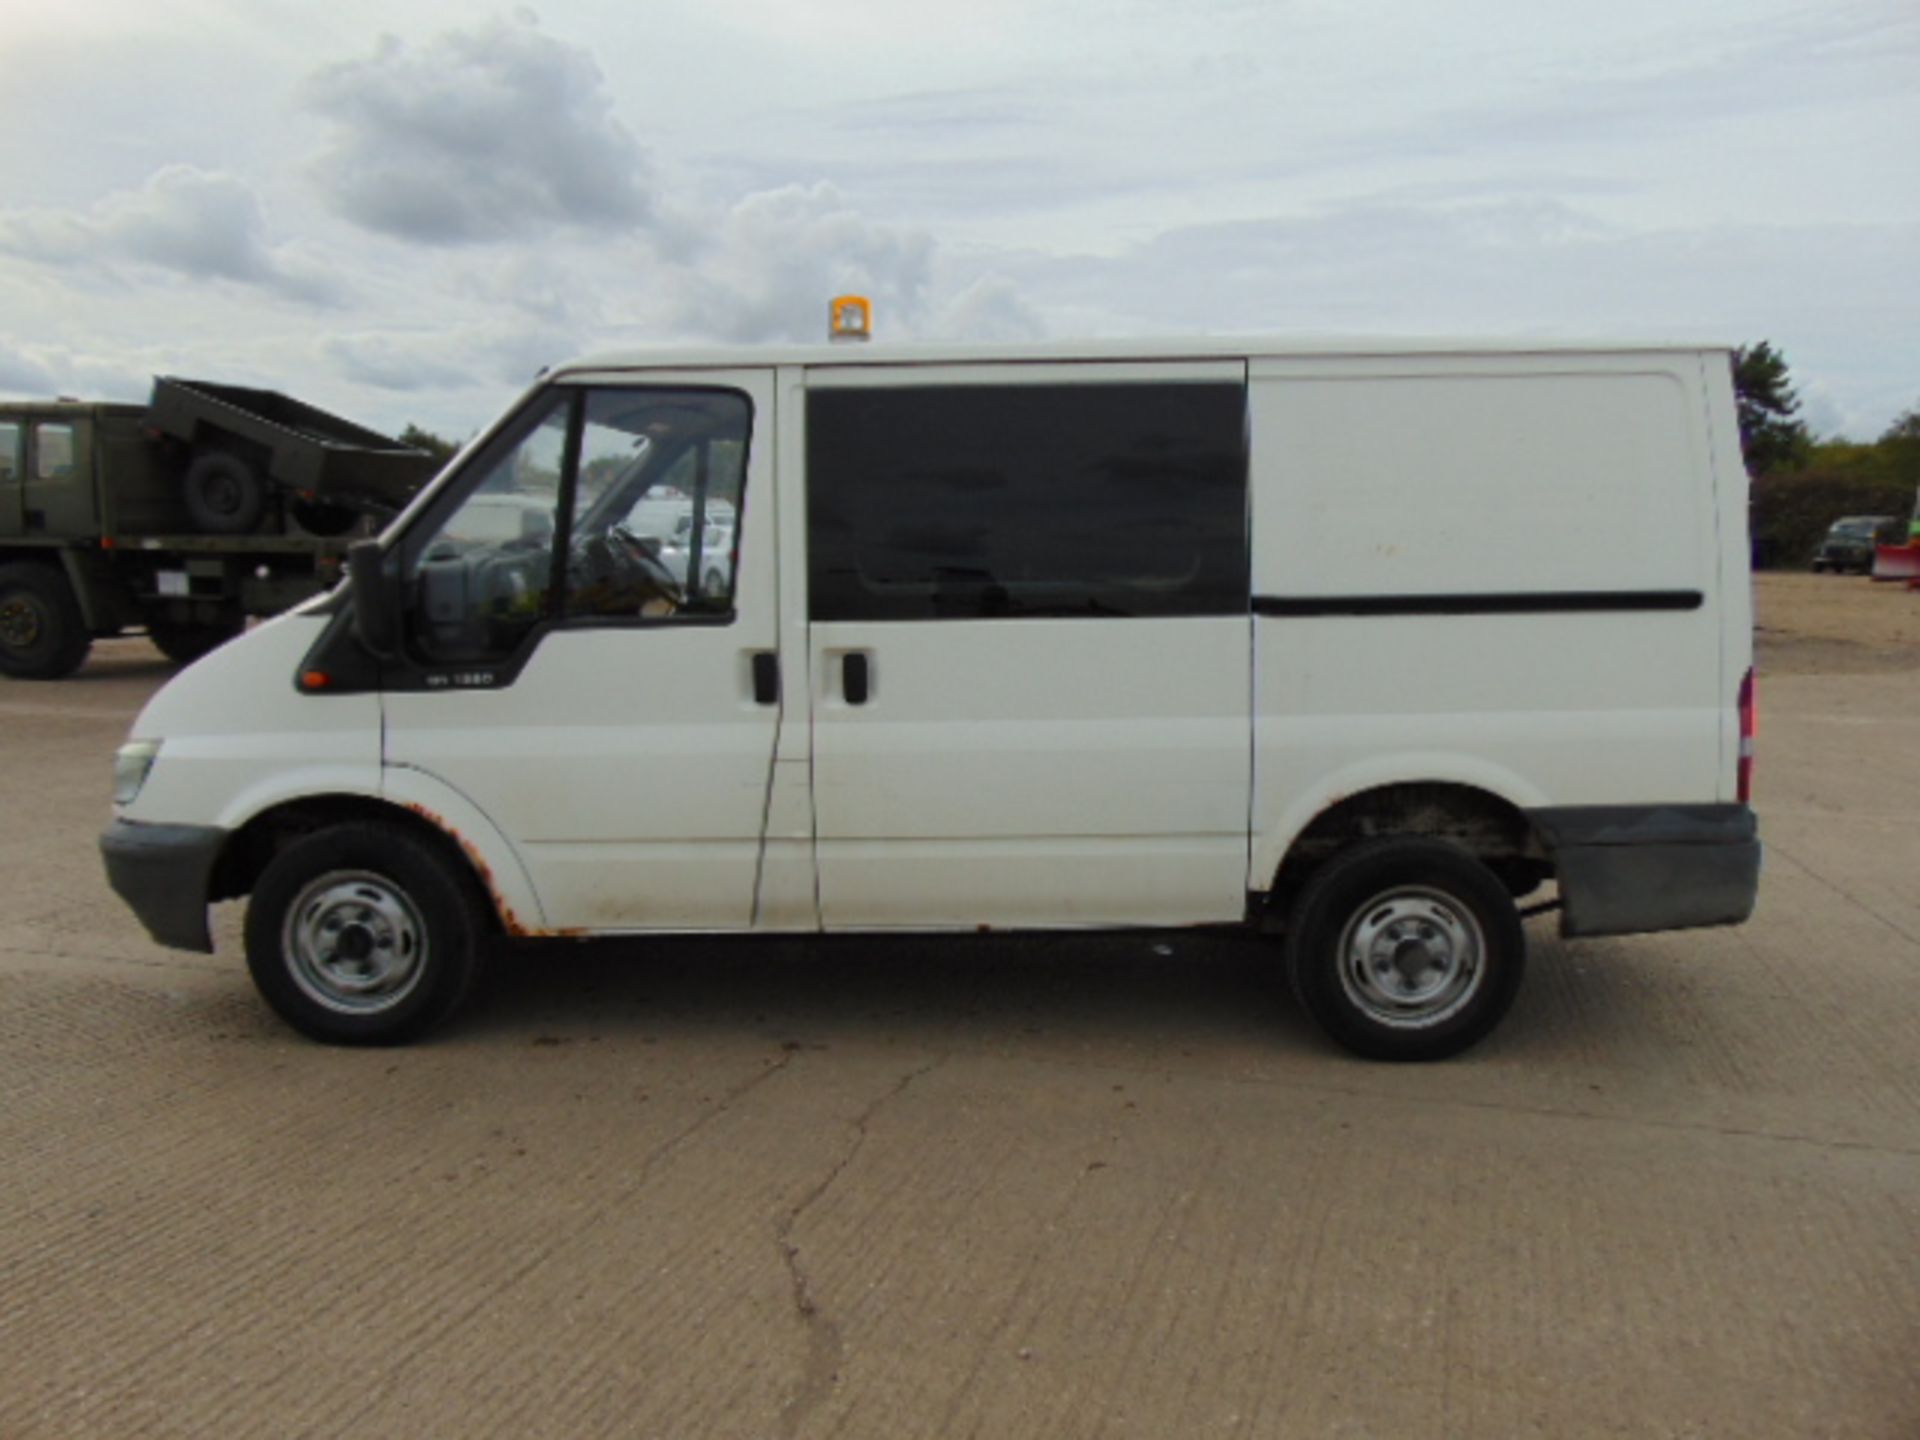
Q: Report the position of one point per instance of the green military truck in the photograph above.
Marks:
(210, 504)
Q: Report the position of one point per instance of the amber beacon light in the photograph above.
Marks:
(849, 317)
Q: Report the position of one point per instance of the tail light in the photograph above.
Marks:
(1744, 774)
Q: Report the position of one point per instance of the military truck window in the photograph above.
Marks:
(9, 452)
(1012, 501)
(53, 451)
(561, 526)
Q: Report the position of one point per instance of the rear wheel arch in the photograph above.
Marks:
(1486, 825)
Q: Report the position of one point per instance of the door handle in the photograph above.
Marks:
(766, 678)
(856, 677)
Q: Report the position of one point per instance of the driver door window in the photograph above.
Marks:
(660, 471)
(601, 506)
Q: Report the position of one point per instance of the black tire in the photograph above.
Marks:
(410, 909)
(225, 495)
(184, 642)
(43, 635)
(1426, 904)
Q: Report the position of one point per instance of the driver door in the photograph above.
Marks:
(604, 718)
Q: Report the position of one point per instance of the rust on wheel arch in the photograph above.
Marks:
(509, 919)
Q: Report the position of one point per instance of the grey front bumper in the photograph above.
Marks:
(1624, 869)
(165, 873)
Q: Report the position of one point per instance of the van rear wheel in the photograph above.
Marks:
(362, 934)
(1405, 948)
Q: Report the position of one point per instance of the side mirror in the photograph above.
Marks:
(376, 612)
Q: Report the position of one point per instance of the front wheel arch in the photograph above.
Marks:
(253, 846)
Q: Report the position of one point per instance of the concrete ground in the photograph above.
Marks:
(1054, 1188)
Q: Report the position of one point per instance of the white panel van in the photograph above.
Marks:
(1361, 645)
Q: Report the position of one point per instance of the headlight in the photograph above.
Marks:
(130, 766)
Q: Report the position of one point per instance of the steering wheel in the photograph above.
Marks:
(634, 554)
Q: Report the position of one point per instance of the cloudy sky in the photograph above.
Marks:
(403, 209)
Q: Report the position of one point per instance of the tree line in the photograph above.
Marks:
(1802, 484)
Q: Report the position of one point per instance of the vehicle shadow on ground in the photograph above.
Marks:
(121, 662)
(1135, 992)
(1164, 987)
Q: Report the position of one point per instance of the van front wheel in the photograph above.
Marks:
(1405, 949)
(362, 934)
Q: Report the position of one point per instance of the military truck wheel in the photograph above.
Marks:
(185, 641)
(224, 494)
(43, 635)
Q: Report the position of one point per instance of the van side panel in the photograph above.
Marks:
(1499, 571)
(1034, 774)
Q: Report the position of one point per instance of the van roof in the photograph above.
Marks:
(1143, 348)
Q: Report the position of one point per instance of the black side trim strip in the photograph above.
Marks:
(1542, 602)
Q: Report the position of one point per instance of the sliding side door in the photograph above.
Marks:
(1028, 643)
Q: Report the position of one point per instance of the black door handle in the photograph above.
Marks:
(766, 677)
(855, 677)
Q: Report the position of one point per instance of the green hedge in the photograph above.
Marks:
(1792, 511)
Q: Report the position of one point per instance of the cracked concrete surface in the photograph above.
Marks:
(1058, 1187)
(824, 1346)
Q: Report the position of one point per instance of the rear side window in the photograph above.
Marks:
(1010, 501)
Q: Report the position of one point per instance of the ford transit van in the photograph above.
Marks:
(1375, 648)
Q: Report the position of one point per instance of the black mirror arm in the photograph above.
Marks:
(376, 615)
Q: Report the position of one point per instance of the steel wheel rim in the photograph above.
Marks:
(1412, 957)
(20, 625)
(354, 942)
(221, 492)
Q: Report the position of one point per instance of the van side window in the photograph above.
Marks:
(1010, 501)
(575, 519)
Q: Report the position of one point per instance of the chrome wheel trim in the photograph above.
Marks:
(1412, 957)
(354, 942)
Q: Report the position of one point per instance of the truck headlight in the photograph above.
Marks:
(130, 766)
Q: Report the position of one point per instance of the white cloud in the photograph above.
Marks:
(991, 309)
(779, 255)
(205, 225)
(396, 362)
(492, 133)
(21, 374)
